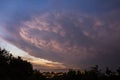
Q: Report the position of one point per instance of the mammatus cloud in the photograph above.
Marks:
(55, 32)
(74, 39)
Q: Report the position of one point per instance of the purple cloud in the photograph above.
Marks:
(74, 39)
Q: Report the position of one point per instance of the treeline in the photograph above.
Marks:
(12, 68)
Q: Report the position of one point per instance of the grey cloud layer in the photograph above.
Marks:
(70, 38)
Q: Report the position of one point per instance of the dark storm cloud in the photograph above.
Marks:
(75, 39)
(89, 6)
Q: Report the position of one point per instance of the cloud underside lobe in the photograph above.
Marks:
(73, 39)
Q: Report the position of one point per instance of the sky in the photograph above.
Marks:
(60, 34)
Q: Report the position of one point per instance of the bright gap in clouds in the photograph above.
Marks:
(14, 50)
(34, 60)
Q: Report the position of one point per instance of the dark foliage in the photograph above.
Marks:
(12, 68)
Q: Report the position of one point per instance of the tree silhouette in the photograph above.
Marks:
(15, 68)
(12, 68)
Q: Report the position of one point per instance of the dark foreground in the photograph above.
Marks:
(12, 68)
